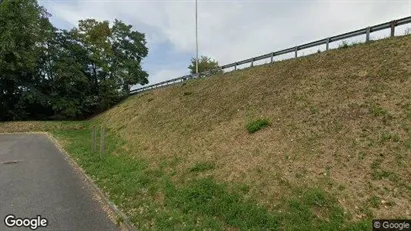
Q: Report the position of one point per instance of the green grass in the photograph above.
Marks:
(256, 125)
(153, 201)
(377, 110)
(202, 166)
(374, 201)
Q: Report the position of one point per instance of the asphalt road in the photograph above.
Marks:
(36, 179)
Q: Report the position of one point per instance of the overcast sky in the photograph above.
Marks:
(229, 30)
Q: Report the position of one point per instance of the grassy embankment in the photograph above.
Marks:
(333, 151)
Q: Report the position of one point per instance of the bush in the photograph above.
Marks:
(257, 125)
(344, 44)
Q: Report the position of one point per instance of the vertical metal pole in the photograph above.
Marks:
(252, 62)
(102, 142)
(272, 57)
(367, 35)
(235, 67)
(295, 51)
(196, 39)
(393, 24)
(327, 46)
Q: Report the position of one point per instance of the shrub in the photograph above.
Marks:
(344, 44)
(257, 125)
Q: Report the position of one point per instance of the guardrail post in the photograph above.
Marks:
(327, 45)
(252, 62)
(295, 51)
(272, 57)
(235, 66)
(367, 35)
(393, 24)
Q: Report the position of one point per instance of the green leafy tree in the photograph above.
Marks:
(22, 27)
(48, 73)
(205, 64)
(114, 58)
(129, 49)
(71, 88)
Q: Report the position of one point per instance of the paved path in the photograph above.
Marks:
(44, 183)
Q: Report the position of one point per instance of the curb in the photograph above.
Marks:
(125, 220)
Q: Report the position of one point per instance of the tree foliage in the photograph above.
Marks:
(50, 73)
(204, 64)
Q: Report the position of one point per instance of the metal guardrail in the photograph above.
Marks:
(365, 31)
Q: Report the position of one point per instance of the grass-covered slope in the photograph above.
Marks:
(322, 142)
(341, 119)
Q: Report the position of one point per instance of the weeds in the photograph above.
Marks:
(377, 111)
(386, 136)
(374, 201)
(313, 109)
(344, 44)
(254, 126)
(203, 166)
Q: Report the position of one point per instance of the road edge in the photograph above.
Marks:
(125, 223)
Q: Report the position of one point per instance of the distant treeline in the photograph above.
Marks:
(50, 73)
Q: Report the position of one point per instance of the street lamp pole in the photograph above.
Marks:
(196, 39)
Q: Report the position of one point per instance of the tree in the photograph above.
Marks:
(71, 86)
(48, 73)
(205, 64)
(22, 26)
(129, 50)
(114, 58)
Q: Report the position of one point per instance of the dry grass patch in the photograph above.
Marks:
(39, 126)
(332, 115)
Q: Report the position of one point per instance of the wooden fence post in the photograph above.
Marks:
(102, 142)
(93, 138)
